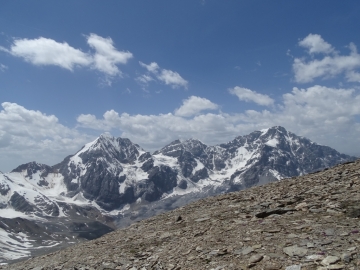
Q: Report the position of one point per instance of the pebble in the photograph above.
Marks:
(255, 258)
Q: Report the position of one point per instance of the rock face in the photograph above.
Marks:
(317, 229)
(112, 172)
(115, 177)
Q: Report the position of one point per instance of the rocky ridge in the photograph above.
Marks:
(306, 222)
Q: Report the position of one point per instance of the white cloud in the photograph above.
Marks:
(145, 79)
(325, 115)
(166, 76)
(316, 44)
(327, 67)
(106, 56)
(3, 67)
(251, 96)
(353, 76)
(28, 135)
(152, 67)
(172, 78)
(194, 105)
(44, 51)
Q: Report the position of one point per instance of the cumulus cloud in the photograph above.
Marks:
(318, 112)
(172, 78)
(166, 76)
(26, 135)
(329, 66)
(329, 116)
(152, 67)
(106, 56)
(316, 44)
(248, 95)
(44, 51)
(194, 105)
(144, 79)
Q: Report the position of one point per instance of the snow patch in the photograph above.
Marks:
(273, 142)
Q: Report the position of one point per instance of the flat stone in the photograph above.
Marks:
(271, 266)
(247, 250)
(256, 258)
(202, 219)
(295, 251)
(330, 260)
(310, 245)
(315, 257)
(336, 266)
(293, 267)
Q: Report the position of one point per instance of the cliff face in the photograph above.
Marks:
(305, 222)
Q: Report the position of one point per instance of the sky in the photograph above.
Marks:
(156, 71)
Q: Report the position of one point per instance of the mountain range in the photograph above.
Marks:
(111, 182)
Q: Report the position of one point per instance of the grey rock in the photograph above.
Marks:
(293, 267)
(295, 251)
(247, 250)
(255, 258)
(330, 260)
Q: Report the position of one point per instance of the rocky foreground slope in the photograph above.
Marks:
(306, 222)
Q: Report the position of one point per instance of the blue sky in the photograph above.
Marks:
(155, 71)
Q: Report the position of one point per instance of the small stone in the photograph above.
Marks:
(257, 246)
(191, 258)
(301, 206)
(255, 258)
(292, 235)
(198, 248)
(295, 251)
(247, 250)
(310, 245)
(330, 260)
(329, 232)
(293, 267)
(214, 252)
(351, 249)
(336, 266)
(202, 219)
(315, 257)
(271, 266)
(346, 257)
